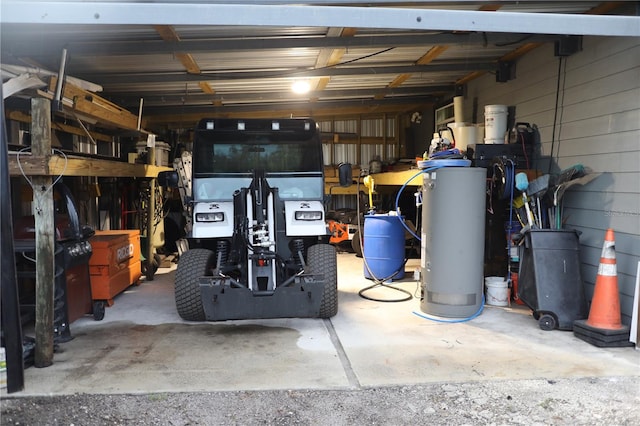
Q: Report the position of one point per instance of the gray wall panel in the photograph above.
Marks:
(597, 125)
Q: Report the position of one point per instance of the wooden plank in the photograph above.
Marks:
(106, 115)
(55, 166)
(411, 177)
(336, 189)
(96, 107)
(71, 92)
(432, 54)
(44, 235)
(26, 118)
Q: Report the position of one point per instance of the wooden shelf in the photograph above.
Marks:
(332, 186)
(398, 178)
(79, 166)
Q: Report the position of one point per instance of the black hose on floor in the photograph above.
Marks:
(381, 283)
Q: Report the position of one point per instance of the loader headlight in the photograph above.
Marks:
(210, 217)
(310, 215)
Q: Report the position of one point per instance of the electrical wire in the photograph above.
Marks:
(524, 149)
(511, 43)
(239, 76)
(427, 170)
(53, 151)
(397, 206)
(555, 115)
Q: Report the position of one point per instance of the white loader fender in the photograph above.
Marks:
(206, 219)
(304, 218)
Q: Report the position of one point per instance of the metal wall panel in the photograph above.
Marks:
(345, 153)
(597, 125)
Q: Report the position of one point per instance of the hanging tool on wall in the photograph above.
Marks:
(566, 180)
(537, 190)
(522, 184)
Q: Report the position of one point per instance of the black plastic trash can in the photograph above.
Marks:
(549, 281)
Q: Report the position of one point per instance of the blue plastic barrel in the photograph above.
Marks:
(383, 247)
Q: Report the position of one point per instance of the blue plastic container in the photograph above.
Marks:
(383, 249)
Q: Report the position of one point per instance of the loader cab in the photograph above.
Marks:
(226, 153)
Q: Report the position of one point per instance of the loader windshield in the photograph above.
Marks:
(271, 157)
(291, 157)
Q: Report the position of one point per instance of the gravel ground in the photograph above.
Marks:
(589, 401)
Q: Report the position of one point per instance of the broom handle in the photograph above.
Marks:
(528, 209)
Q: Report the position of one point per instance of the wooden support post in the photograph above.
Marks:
(45, 234)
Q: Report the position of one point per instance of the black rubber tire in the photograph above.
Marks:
(356, 244)
(98, 310)
(193, 264)
(547, 322)
(322, 259)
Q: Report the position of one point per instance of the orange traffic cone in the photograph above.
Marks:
(603, 327)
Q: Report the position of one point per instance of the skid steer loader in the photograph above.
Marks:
(258, 244)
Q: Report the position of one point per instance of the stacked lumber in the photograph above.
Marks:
(91, 105)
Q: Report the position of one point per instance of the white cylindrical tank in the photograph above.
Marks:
(452, 256)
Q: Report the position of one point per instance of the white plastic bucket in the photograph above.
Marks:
(497, 291)
(464, 134)
(494, 141)
(495, 121)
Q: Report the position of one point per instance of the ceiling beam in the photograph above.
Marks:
(198, 13)
(140, 78)
(19, 40)
(425, 59)
(127, 100)
(186, 118)
(331, 57)
(328, 104)
(169, 34)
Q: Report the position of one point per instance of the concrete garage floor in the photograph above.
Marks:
(142, 346)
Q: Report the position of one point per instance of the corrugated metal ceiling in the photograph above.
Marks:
(248, 70)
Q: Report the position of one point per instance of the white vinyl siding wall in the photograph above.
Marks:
(598, 126)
